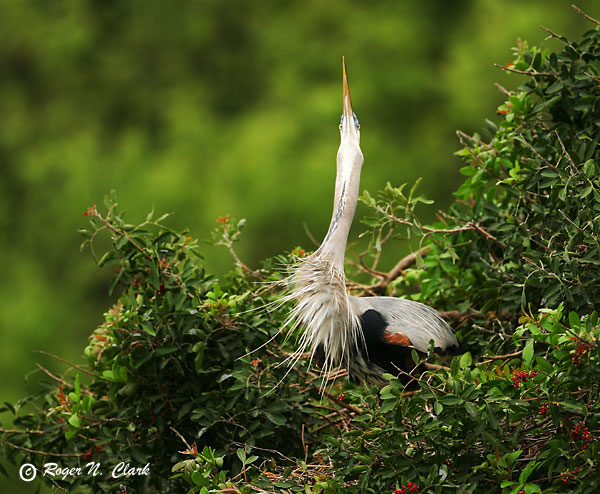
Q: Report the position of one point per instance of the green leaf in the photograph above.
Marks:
(74, 421)
(77, 387)
(471, 409)
(512, 457)
(183, 411)
(164, 350)
(465, 360)
(528, 352)
(527, 471)
(492, 418)
(532, 489)
(573, 320)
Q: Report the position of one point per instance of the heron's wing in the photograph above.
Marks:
(409, 323)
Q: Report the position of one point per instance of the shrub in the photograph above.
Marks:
(171, 380)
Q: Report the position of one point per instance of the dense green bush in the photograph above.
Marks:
(514, 263)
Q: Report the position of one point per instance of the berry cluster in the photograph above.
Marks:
(88, 454)
(405, 489)
(566, 477)
(137, 344)
(522, 376)
(581, 433)
(544, 408)
(580, 351)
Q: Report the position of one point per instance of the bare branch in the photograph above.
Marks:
(531, 73)
(579, 11)
(552, 33)
(181, 437)
(435, 367)
(347, 406)
(539, 155)
(59, 380)
(71, 364)
(492, 358)
(36, 452)
(502, 90)
(566, 153)
(310, 235)
(18, 431)
(398, 269)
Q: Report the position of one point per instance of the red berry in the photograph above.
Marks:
(87, 455)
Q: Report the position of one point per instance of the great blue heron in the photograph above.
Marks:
(366, 335)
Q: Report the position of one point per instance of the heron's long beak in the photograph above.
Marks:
(347, 102)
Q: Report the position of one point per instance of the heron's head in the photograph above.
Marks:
(349, 126)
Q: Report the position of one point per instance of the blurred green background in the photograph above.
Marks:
(207, 108)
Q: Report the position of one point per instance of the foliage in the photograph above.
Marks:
(172, 355)
(515, 262)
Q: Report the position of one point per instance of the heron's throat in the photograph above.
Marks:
(347, 186)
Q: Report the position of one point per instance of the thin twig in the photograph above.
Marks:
(327, 424)
(364, 269)
(471, 225)
(243, 445)
(48, 373)
(181, 437)
(502, 90)
(347, 406)
(566, 153)
(531, 73)
(59, 380)
(72, 365)
(491, 358)
(579, 11)
(539, 155)
(310, 235)
(18, 431)
(435, 367)
(304, 446)
(552, 33)
(536, 424)
(456, 315)
(398, 269)
(36, 452)
(461, 137)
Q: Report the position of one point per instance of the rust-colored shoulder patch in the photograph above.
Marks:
(396, 339)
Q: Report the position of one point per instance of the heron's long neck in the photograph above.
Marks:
(347, 185)
(322, 303)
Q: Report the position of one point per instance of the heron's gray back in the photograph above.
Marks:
(418, 321)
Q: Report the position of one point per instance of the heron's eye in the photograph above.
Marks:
(341, 121)
(356, 124)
